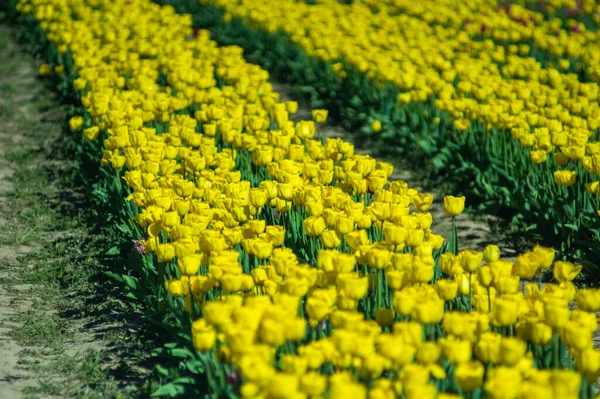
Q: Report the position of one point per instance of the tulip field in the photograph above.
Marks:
(281, 264)
(497, 99)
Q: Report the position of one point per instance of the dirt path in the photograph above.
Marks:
(13, 379)
(474, 231)
(64, 330)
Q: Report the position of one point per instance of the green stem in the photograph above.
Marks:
(470, 292)
(555, 351)
(454, 238)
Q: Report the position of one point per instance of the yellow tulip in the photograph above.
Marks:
(545, 255)
(556, 313)
(469, 376)
(204, 336)
(446, 289)
(376, 126)
(527, 265)
(512, 351)
(175, 287)
(313, 384)
(488, 347)
(165, 252)
(456, 351)
(258, 197)
(588, 361)
(396, 350)
(454, 206)
(588, 299)
(575, 336)
(189, 265)
(565, 271)
(378, 258)
(423, 201)
(565, 383)
(541, 333)
(329, 239)
(76, 123)
(503, 383)
(491, 253)
(314, 226)
(320, 115)
(393, 234)
(470, 260)
(565, 177)
(429, 312)
(91, 133)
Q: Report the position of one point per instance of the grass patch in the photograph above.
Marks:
(41, 330)
(83, 374)
(81, 337)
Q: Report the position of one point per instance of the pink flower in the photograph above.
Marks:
(139, 246)
(234, 377)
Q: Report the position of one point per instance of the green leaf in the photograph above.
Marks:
(125, 229)
(195, 366)
(170, 389)
(133, 296)
(180, 352)
(131, 282)
(569, 211)
(572, 226)
(162, 371)
(185, 380)
(587, 264)
(547, 358)
(114, 251)
(115, 276)
(355, 101)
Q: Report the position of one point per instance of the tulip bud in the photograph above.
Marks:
(189, 265)
(484, 275)
(512, 351)
(378, 258)
(556, 313)
(470, 260)
(454, 206)
(165, 252)
(491, 253)
(527, 265)
(565, 177)
(429, 312)
(541, 333)
(446, 289)
(376, 126)
(384, 317)
(428, 353)
(469, 376)
(320, 115)
(204, 336)
(566, 271)
(487, 348)
(506, 312)
(329, 239)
